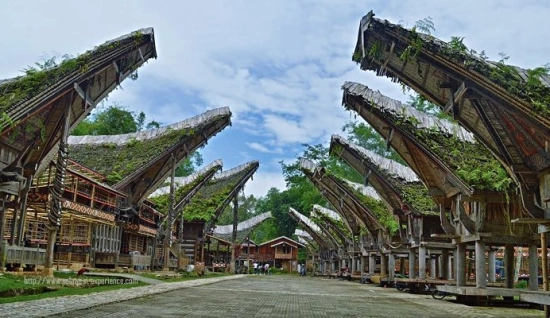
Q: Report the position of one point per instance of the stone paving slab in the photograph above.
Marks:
(292, 296)
(57, 305)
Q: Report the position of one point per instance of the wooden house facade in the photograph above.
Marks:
(504, 106)
(39, 110)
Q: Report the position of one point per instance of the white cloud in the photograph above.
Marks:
(278, 65)
(262, 148)
(263, 181)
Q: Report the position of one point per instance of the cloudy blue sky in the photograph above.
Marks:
(278, 64)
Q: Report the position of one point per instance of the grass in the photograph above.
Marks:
(18, 282)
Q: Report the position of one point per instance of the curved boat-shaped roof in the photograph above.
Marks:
(211, 199)
(445, 158)
(368, 211)
(244, 228)
(137, 163)
(323, 217)
(322, 238)
(505, 106)
(34, 106)
(396, 183)
(185, 189)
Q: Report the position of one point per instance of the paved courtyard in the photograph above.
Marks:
(285, 296)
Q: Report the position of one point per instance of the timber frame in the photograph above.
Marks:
(503, 118)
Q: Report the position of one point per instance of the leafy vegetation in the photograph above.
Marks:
(42, 76)
(471, 161)
(378, 207)
(117, 161)
(162, 201)
(524, 84)
(210, 198)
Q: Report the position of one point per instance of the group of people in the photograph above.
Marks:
(261, 269)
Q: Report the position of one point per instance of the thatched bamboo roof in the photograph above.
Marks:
(325, 218)
(137, 163)
(306, 239)
(213, 198)
(185, 189)
(330, 213)
(506, 107)
(442, 155)
(244, 228)
(33, 107)
(396, 183)
(322, 238)
(369, 212)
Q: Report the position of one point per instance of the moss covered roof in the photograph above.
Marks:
(116, 157)
(184, 187)
(410, 189)
(215, 195)
(322, 215)
(471, 161)
(15, 91)
(530, 86)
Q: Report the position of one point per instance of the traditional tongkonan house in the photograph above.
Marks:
(207, 205)
(408, 196)
(332, 222)
(329, 247)
(248, 250)
(477, 197)
(362, 209)
(504, 106)
(38, 112)
(183, 189)
(136, 164)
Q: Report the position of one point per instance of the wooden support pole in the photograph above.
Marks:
(533, 267)
(412, 263)
(445, 264)
(422, 262)
(544, 269)
(372, 264)
(509, 265)
(168, 231)
(391, 266)
(481, 274)
(460, 262)
(234, 233)
(492, 265)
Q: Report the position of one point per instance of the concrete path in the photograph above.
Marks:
(58, 305)
(293, 296)
(150, 281)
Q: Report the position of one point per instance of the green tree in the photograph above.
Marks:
(364, 135)
(187, 167)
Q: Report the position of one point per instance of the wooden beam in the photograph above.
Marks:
(530, 221)
(83, 95)
(445, 236)
(455, 97)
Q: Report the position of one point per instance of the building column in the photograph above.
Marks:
(362, 266)
(391, 266)
(372, 264)
(412, 263)
(533, 267)
(383, 264)
(433, 267)
(509, 265)
(445, 264)
(481, 273)
(460, 263)
(353, 265)
(492, 265)
(422, 262)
